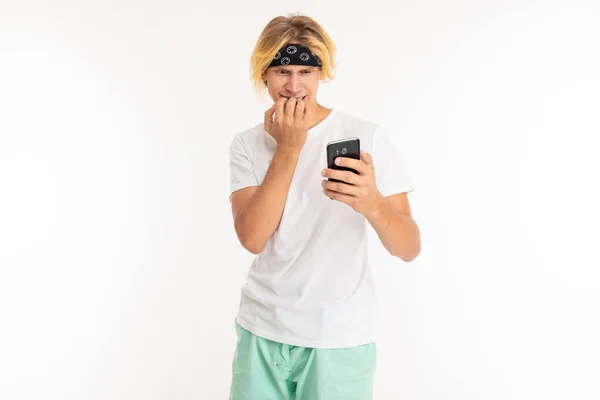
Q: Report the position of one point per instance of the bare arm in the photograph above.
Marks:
(397, 230)
(390, 216)
(256, 210)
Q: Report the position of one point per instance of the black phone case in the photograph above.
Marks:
(335, 150)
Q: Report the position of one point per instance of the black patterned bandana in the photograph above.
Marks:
(295, 54)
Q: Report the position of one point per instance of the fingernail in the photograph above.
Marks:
(338, 161)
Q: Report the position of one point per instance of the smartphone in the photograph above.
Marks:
(349, 147)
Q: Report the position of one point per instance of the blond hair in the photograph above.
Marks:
(292, 28)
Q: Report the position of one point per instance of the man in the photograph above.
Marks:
(306, 323)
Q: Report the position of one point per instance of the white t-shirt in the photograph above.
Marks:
(311, 285)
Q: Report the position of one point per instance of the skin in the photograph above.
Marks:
(389, 216)
(257, 210)
(297, 81)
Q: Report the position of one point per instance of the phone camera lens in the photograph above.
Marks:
(344, 150)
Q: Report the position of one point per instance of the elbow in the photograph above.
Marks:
(249, 240)
(251, 244)
(409, 256)
(253, 247)
(408, 259)
(414, 249)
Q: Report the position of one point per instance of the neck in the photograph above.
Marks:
(319, 114)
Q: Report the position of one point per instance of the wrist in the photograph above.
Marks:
(378, 209)
(288, 150)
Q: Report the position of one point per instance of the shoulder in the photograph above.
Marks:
(250, 134)
(365, 129)
(247, 139)
(356, 122)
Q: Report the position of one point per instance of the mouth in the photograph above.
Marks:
(297, 98)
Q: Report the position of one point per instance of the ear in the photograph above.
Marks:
(263, 76)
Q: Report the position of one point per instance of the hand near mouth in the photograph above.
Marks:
(303, 98)
(288, 121)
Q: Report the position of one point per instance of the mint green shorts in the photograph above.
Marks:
(268, 370)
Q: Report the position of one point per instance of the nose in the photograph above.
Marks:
(293, 84)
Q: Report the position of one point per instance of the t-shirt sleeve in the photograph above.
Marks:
(390, 171)
(241, 171)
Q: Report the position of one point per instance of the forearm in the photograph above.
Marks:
(260, 216)
(398, 232)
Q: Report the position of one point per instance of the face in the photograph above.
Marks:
(297, 81)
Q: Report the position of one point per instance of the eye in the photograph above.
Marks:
(282, 71)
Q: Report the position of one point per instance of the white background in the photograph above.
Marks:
(120, 269)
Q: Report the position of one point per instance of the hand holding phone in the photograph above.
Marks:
(349, 147)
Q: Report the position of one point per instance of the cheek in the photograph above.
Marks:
(313, 84)
(275, 86)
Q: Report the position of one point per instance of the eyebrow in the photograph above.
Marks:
(310, 68)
